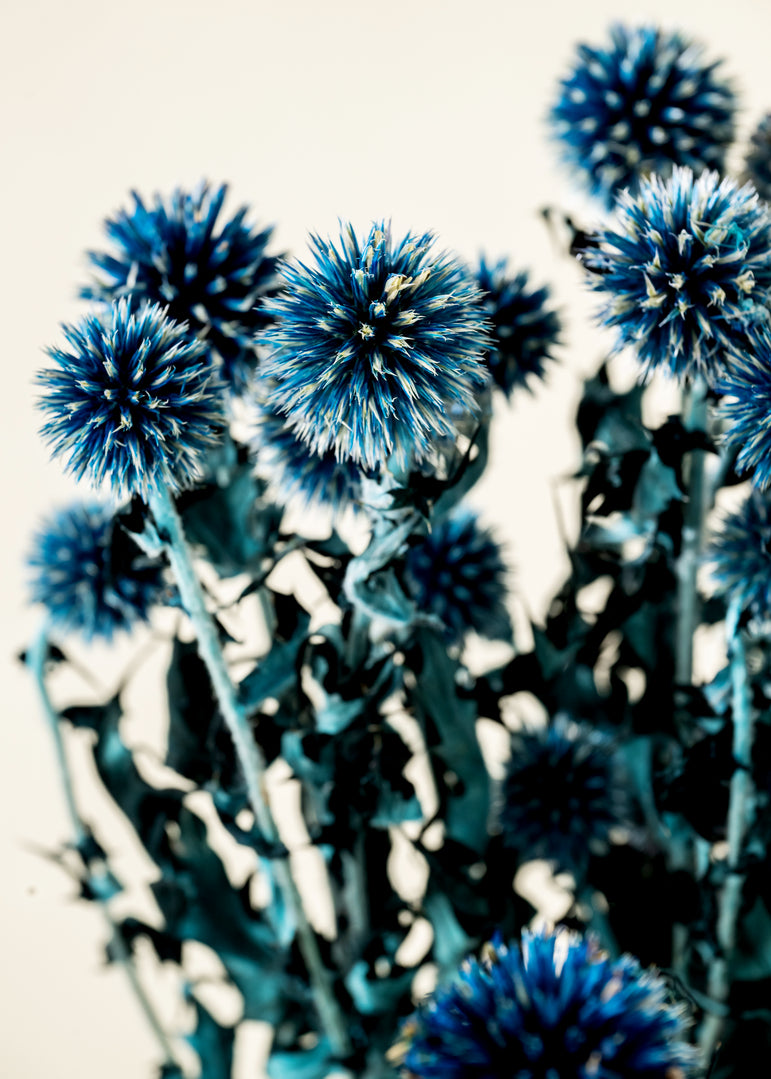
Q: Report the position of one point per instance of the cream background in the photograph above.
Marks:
(430, 113)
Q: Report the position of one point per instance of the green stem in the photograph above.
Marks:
(36, 658)
(250, 756)
(740, 814)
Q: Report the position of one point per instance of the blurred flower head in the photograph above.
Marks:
(640, 104)
(554, 1006)
(757, 164)
(294, 471)
(561, 793)
(457, 573)
(376, 347)
(132, 399)
(89, 573)
(740, 555)
(746, 405)
(524, 328)
(211, 272)
(686, 270)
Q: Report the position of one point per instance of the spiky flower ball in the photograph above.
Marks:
(561, 793)
(457, 573)
(376, 347)
(686, 270)
(740, 554)
(552, 1007)
(211, 272)
(746, 405)
(757, 164)
(89, 573)
(132, 399)
(525, 328)
(295, 472)
(640, 104)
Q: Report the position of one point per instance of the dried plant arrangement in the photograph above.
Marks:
(215, 384)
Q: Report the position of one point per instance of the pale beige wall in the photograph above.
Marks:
(427, 112)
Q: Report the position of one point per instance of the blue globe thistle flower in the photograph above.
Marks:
(457, 573)
(553, 1006)
(376, 347)
(89, 573)
(640, 104)
(525, 329)
(746, 405)
(686, 270)
(740, 554)
(134, 400)
(211, 273)
(561, 793)
(295, 472)
(757, 164)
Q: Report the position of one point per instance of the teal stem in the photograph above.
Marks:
(451, 942)
(250, 756)
(688, 604)
(682, 854)
(725, 466)
(740, 816)
(598, 919)
(36, 658)
(357, 645)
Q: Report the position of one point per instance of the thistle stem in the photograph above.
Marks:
(599, 922)
(740, 814)
(688, 606)
(36, 658)
(249, 755)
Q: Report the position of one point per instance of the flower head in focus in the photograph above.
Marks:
(640, 104)
(376, 347)
(561, 794)
(686, 270)
(89, 573)
(525, 328)
(132, 399)
(757, 164)
(457, 573)
(295, 472)
(554, 1006)
(212, 273)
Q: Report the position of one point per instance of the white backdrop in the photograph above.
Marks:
(430, 113)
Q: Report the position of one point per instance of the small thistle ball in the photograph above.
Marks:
(132, 400)
(458, 574)
(746, 406)
(211, 273)
(561, 793)
(740, 556)
(89, 573)
(552, 1007)
(641, 104)
(525, 328)
(376, 348)
(757, 164)
(294, 472)
(686, 270)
